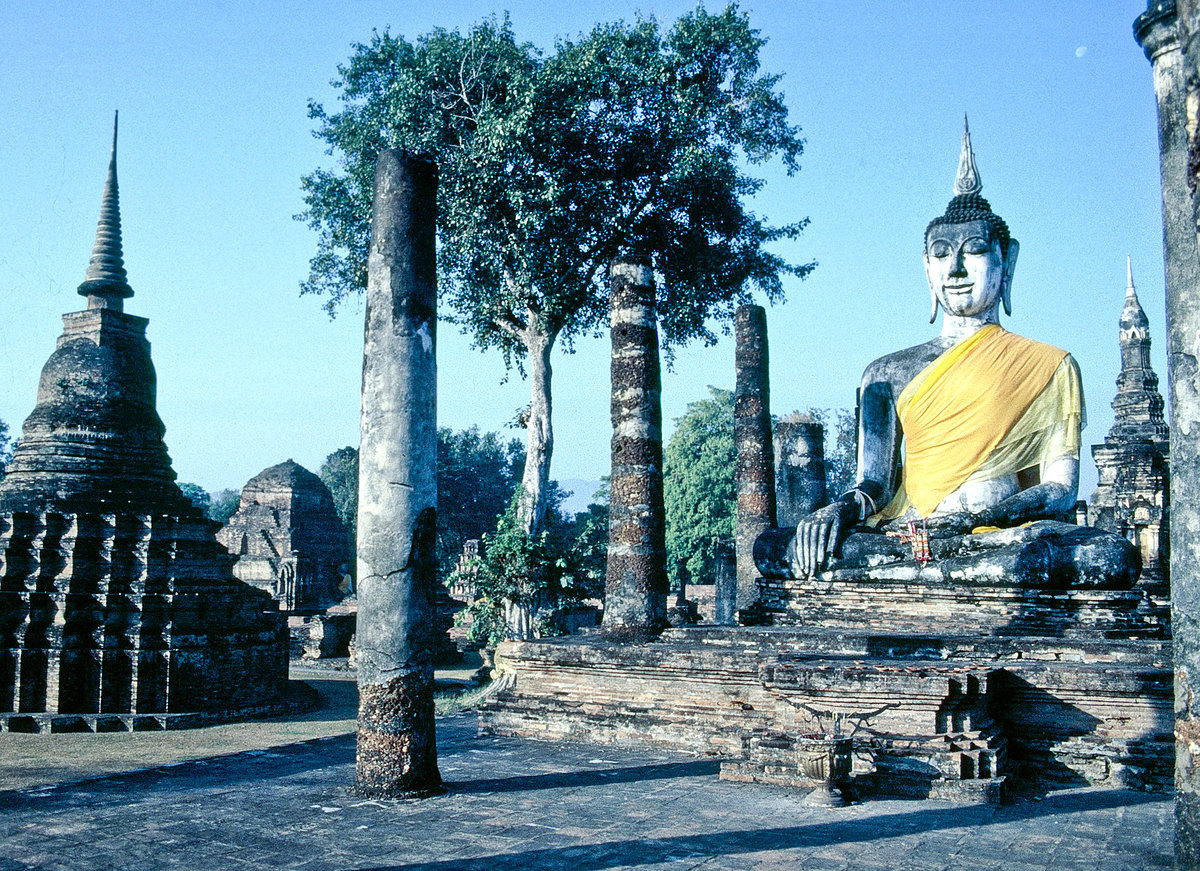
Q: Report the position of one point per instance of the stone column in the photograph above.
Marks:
(1161, 32)
(799, 468)
(635, 598)
(397, 486)
(725, 585)
(754, 475)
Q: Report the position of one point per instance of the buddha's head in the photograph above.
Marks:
(969, 254)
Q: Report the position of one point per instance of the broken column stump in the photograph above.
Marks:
(397, 750)
(635, 600)
(754, 474)
(799, 468)
(725, 584)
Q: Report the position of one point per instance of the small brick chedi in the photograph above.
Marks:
(1132, 497)
(935, 632)
(117, 606)
(287, 538)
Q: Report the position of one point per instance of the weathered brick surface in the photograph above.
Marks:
(128, 614)
(287, 539)
(117, 607)
(1094, 711)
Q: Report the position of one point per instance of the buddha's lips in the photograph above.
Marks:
(958, 288)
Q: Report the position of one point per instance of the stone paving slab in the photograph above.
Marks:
(516, 804)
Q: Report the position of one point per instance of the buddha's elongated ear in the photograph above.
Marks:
(932, 295)
(1010, 266)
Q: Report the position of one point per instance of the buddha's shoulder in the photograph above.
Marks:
(899, 367)
(1034, 344)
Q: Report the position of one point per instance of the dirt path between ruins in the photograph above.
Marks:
(34, 760)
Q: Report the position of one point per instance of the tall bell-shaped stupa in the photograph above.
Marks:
(95, 441)
(118, 609)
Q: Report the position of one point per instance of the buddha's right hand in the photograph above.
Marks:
(819, 534)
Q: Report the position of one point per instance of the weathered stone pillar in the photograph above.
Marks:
(635, 596)
(1161, 32)
(754, 476)
(397, 486)
(725, 584)
(799, 468)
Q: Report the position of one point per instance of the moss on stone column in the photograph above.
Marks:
(754, 476)
(636, 591)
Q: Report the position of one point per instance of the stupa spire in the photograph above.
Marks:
(105, 283)
(967, 180)
(1135, 326)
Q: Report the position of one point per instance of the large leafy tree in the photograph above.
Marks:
(626, 142)
(698, 464)
(223, 504)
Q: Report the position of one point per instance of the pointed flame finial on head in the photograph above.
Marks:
(105, 283)
(967, 181)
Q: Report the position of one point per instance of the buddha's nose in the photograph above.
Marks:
(959, 266)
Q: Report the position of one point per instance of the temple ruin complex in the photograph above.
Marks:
(287, 539)
(923, 662)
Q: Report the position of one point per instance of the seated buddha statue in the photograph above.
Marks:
(968, 444)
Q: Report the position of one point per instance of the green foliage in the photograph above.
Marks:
(477, 475)
(339, 472)
(222, 505)
(564, 563)
(586, 543)
(627, 142)
(196, 494)
(698, 465)
(841, 460)
(518, 567)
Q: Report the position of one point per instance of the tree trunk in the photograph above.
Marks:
(540, 433)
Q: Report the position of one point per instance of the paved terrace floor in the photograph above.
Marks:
(276, 794)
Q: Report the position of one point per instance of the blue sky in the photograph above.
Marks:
(215, 138)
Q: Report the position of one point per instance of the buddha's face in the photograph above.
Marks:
(965, 268)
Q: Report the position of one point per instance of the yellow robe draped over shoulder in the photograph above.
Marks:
(993, 405)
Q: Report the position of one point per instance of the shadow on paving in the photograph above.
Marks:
(612, 854)
(595, 777)
(279, 761)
